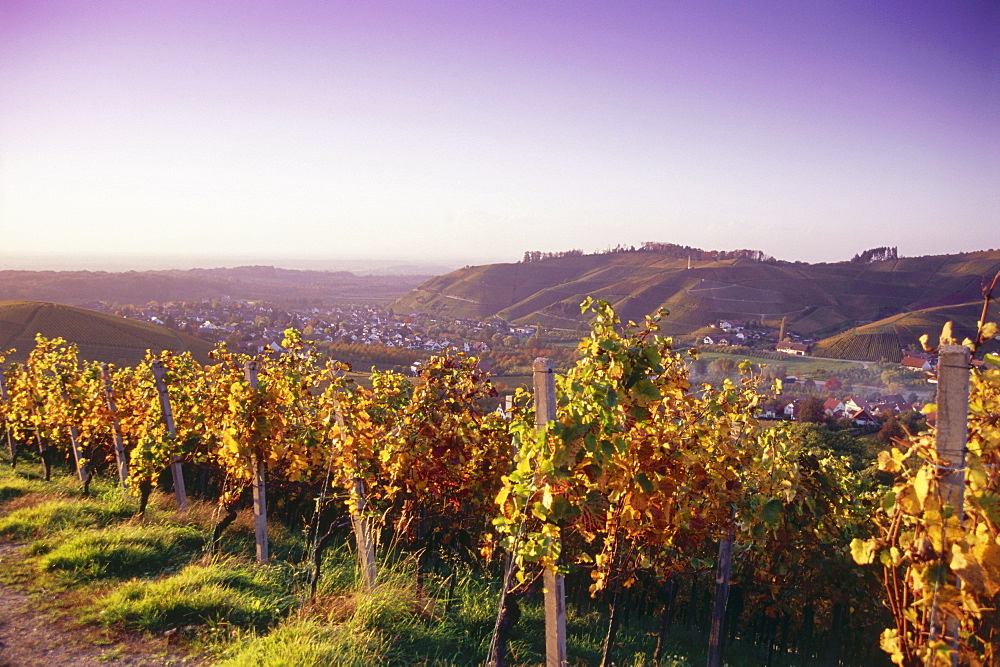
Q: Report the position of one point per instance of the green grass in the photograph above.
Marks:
(305, 642)
(52, 516)
(227, 592)
(14, 488)
(797, 366)
(123, 551)
(150, 574)
(396, 624)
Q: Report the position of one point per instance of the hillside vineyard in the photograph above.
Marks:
(896, 299)
(629, 490)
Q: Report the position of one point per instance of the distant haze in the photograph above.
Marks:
(208, 133)
(140, 262)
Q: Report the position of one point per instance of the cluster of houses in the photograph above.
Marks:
(738, 332)
(255, 326)
(858, 410)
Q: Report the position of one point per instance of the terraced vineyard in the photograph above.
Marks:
(101, 337)
(864, 347)
(886, 338)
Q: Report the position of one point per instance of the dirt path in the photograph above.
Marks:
(31, 636)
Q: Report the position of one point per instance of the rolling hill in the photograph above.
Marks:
(818, 300)
(283, 287)
(100, 337)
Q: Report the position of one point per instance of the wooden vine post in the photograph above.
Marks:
(952, 433)
(44, 450)
(116, 427)
(363, 533)
(506, 616)
(361, 524)
(258, 483)
(159, 371)
(81, 467)
(74, 441)
(11, 444)
(721, 597)
(555, 587)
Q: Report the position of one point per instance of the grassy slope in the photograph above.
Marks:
(92, 559)
(101, 337)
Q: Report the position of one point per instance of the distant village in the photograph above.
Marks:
(855, 410)
(917, 366)
(253, 327)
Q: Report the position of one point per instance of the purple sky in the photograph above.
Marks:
(468, 132)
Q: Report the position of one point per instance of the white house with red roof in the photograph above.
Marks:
(798, 349)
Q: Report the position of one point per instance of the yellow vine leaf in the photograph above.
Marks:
(888, 463)
(907, 500)
(921, 485)
(979, 568)
(863, 551)
(889, 643)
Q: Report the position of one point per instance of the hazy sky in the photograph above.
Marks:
(471, 131)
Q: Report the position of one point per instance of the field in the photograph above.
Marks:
(284, 287)
(797, 366)
(431, 461)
